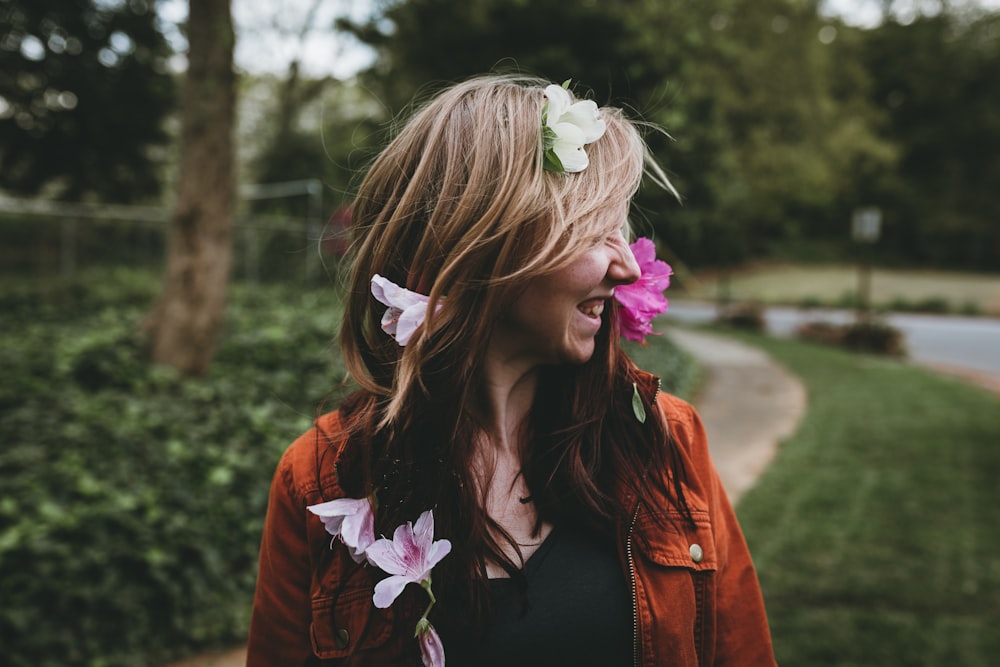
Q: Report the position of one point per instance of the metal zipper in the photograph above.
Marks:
(635, 595)
(631, 559)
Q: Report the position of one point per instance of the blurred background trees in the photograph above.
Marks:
(782, 118)
(84, 96)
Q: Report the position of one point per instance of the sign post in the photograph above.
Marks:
(866, 227)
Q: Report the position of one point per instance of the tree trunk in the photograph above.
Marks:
(187, 319)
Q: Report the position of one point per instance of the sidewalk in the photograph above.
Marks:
(748, 404)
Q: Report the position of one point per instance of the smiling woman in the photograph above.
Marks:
(560, 494)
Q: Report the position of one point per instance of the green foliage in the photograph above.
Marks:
(310, 129)
(932, 73)
(679, 374)
(874, 528)
(134, 498)
(84, 90)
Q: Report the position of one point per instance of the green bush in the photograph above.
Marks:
(872, 336)
(133, 498)
(748, 316)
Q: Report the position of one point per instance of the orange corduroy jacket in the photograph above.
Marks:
(696, 599)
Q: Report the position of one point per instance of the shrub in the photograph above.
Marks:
(932, 304)
(874, 336)
(745, 316)
(821, 332)
(862, 336)
(134, 498)
(970, 309)
(810, 302)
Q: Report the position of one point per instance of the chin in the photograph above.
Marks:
(578, 357)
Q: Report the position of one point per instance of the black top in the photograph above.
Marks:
(576, 610)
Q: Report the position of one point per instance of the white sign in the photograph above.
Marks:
(866, 224)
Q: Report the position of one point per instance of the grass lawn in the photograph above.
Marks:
(876, 530)
(972, 293)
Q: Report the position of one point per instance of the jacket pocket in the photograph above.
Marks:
(676, 567)
(672, 542)
(348, 623)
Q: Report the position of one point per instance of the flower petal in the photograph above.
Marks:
(558, 102)
(423, 530)
(358, 532)
(408, 321)
(584, 115)
(349, 519)
(384, 554)
(438, 550)
(387, 590)
(641, 301)
(407, 310)
(391, 294)
(568, 146)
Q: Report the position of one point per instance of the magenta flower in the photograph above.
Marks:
(431, 648)
(406, 311)
(408, 557)
(643, 300)
(352, 520)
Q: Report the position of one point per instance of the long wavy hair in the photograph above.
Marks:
(458, 207)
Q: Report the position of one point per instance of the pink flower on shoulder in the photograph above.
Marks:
(350, 519)
(643, 300)
(408, 557)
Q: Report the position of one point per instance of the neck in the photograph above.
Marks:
(507, 396)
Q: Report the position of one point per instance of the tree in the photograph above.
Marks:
(421, 42)
(936, 79)
(84, 90)
(186, 320)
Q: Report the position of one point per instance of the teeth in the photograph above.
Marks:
(594, 310)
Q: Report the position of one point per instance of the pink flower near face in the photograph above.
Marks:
(643, 300)
(431, 648)
(408, 557)
(350, 519)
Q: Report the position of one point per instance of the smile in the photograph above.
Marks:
(593, 308)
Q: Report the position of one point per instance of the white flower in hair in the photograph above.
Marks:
(566, 128)
(406, 312)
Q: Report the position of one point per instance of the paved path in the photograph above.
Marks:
(748, 404)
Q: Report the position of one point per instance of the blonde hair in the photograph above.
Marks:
(458, 207)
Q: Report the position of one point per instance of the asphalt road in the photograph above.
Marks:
(969, 344)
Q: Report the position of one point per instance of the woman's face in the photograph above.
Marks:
(557, 317)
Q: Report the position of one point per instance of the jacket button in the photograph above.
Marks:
(697, 554)
(342, 639)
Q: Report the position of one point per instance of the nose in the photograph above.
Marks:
(623, 269)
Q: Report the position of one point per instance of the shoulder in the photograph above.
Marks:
(684, 424)
(309, 467)
(688, 435)
(676, 410)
